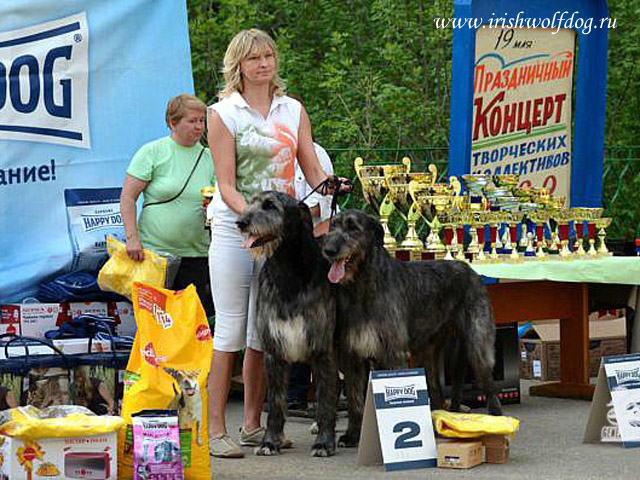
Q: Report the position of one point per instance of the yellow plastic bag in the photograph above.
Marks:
(168, 369)
(471, 425)
(59, 421)
(120, 271)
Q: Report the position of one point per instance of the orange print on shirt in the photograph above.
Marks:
(286, 171)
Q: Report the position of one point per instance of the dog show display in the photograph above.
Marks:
(396, 426)
(493, 219)
(167, 370)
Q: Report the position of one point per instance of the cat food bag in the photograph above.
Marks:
(156, 445)
(168, 369)
(92, 214)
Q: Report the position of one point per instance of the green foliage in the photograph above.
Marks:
(375, 77)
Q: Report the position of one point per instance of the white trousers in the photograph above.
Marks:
(234, 286)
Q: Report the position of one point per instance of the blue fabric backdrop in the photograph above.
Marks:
(83, 84)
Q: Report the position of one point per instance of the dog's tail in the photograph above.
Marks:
(480, 341)
(481, 335)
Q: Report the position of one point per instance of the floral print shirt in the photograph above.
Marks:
(265, 147)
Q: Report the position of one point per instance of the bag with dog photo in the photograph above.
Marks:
(168, 369)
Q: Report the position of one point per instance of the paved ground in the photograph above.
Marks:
(548, 446)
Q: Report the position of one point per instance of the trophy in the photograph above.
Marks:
(375, 191)
(475, 185)
(562, 218)
(592, 216)
(494, 238)
(476, 230)
(432, 208)
(513, 220)
(602, 223)
(539, 218)
(579, 216)
(399, 184)
(450, 222)
(508, 181)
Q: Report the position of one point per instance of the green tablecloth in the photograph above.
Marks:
(620, 270)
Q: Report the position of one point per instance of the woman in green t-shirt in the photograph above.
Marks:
(169, 172)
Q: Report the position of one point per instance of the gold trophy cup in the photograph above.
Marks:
(376, 193)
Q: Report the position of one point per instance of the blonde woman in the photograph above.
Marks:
(255, 133)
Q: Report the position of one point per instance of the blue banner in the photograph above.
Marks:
(83, 84)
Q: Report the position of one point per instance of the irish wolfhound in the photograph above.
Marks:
(387, 307)
(295, 311)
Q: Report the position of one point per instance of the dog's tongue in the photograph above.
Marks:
(248, 242)
(337, 270)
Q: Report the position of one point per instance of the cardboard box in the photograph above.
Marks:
(92, 457)
(72, 346)
(20, 350)
(125, 320)
(460, 454)
(540, 347)
(496, 448)
(100, 309)
(506, 373)
(32, 319)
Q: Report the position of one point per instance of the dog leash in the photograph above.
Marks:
(322, 187)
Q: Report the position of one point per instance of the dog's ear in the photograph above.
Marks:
(305, 216)
(379, 231)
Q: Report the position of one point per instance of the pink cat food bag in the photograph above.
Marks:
(156, 445)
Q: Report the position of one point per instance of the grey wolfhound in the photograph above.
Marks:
(295, 311)
(387, 308)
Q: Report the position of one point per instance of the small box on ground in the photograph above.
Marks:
(540, 346)
(60, 458)
(460, 454)
(496, 448)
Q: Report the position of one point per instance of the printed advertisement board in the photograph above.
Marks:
(83, 84)
(523, 80)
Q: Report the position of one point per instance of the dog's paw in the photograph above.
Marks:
(348, 441)
(495, 410)
(266, 450)
(494, 407)
(323, 450)
(313, 429)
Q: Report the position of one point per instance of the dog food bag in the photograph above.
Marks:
(156, 445)
(472, 425)
(168, 369)
(92, 214)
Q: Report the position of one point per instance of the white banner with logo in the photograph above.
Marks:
(522, 105)
(82, 86)
(43, 90)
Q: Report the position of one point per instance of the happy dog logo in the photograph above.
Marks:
(100, 220)
(405, 392)
(628, 376)
(44, 73)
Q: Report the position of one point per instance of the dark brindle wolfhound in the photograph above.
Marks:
(387, 307)
(295, 312)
